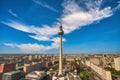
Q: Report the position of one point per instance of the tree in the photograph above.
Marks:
(83, 75)
(113, 71)
(55, 67)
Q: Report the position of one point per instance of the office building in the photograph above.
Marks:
(117, 63)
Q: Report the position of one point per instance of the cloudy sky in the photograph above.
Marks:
(90, 26)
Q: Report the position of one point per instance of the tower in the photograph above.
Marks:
(61, 32)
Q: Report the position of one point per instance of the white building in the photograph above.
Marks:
(103, 73)
(117, 63)
(95, 61)
(58, 78)
(87, 63)
(30, 57)
(36, 75)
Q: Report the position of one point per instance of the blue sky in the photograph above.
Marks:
(31, 26)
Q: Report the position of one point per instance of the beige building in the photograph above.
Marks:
(87, 63)
(95, 61)
(35, 75)
(70, 59)
(117, 63)
(30, 58)
(28, 68)
(103, 73)
(34, 66)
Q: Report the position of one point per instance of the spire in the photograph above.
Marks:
(60, 18)
(61, 51)
(61, 32)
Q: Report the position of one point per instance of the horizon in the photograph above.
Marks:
(56, 53)
(32, 26)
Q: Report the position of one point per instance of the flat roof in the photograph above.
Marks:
(12, 72)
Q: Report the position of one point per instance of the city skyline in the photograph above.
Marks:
(32, 26)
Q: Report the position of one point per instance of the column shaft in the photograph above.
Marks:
(60, 58)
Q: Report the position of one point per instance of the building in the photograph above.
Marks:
(28, 68)
(14, 75)
(61, 32)
(95, 61)
(103, 73)
(117, 63)
(70, 58)
(7, 68)
(35, 75)
(30, 57)
(60, 75)
(34, 66)
(87, 63)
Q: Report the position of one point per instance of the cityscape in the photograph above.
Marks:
(59, 40)
(46, 66)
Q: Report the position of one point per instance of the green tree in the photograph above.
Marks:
(113, 71)
(55, 67)
(83, 75)
(64, 61)
(48, 68)
(72, 64)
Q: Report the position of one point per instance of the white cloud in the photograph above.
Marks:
(27, 47)
(44, 5)
(12, 13)
(118, 2)
(18, 26)
(74, 17)
(118, 6)
(42, 38)
(43, 33)
(36, 47)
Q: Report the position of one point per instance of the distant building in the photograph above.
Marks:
(48, 64)
(39, 57)
(95, 61)
(87, 63)
(70, 59)
(30, 57)
(28, 68)
(117, 63)
(55, 59)
(14, 75)
(34, 66)
(1, 59)
(36, 56)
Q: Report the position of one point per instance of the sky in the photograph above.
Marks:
(31, 26)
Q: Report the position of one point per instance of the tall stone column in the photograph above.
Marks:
(61, 52)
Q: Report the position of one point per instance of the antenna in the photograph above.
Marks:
(60, 18)
(61, 32)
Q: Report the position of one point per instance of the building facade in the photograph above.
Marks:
(117, 63)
